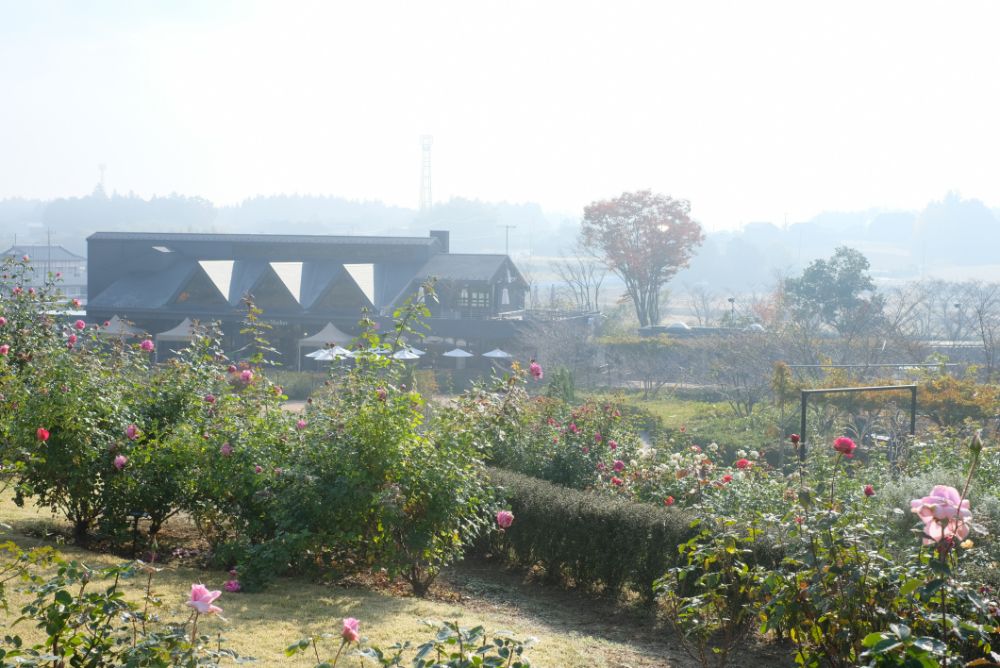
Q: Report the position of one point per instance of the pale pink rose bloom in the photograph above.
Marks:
(246, 376)
(120, 462)
(619, 466)
(4, 349)
(945, 514)
(71, 338)
(504, 519)
(535, 369)
(147, 345)
(201, 599)
(300, 425)
(3, 321)
(132, 432)
(76, 303)
(80, 324)
(350, 632)
(232, 586)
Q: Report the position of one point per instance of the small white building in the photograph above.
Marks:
(67, 268)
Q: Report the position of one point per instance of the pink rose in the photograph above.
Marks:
(794, 438)
(4, 349)
(616, 481)
(76, 303)
(147, 345)
(258, 469)
(504, 519)
(201, 600)
(535, 369)
(669, 501)
(232, 586)
(80, 324)
(743, 464)
(726, 479)
(619, 466)
(3, 321)
(42, 434)
(132, 432)
(350, 632)
(209, 398)
(227, 450)
(598, 437)
(246, 376)
(71, 339)
(869, 490)
(120, 462)
(300, 425)
(613, 444)
(945, 514)
(844, 446)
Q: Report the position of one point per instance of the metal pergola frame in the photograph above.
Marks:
(805, 394)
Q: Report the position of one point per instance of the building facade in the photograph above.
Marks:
(68, 269)
(301, 283)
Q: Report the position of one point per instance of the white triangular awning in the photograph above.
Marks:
(221, 273)
(290, 274)
(405, 354)
(496, 353)
(364, 276)
(457, 352)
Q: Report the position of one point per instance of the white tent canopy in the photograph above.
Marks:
(182, 333)
(330, 335)
(457, 352)
(405, 354)
(497, 354)
(118, 327)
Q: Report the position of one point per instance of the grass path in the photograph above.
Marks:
(572, 629)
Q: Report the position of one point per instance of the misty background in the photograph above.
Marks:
(790, 130)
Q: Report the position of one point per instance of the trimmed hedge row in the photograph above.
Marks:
(588, 539)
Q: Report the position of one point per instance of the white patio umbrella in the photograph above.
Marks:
(459, 356)
(497, 354)
(330, 354)
(405, 354)
(416, 351)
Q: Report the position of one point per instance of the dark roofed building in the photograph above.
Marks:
(70, 268)
(301, 282)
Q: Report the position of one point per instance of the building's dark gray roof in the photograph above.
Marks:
(43, 253)
(462, 267)
(145, 291)
(166, 237)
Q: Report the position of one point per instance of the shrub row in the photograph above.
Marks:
(587, 539)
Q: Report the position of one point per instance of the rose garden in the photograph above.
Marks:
(191, 469)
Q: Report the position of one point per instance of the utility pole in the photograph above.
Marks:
(426, 199)
(507, 229)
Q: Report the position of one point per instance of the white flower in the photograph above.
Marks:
(754, 454)
(741, 454)
(713, 447)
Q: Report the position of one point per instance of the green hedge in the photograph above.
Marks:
(587, 539)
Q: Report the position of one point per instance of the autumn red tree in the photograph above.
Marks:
(645, 239)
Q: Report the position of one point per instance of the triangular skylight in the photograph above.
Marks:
(364, 276)
(221, 273)
(290, 274)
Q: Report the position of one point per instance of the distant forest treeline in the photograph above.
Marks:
(952, 232)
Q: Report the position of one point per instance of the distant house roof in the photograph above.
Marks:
(463, 267)
(44, 253)
(267, 239)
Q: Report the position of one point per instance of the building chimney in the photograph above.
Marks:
(442, 237)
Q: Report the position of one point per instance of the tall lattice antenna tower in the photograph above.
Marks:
(426, 200)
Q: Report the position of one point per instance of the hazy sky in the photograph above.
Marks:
(749, 109)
